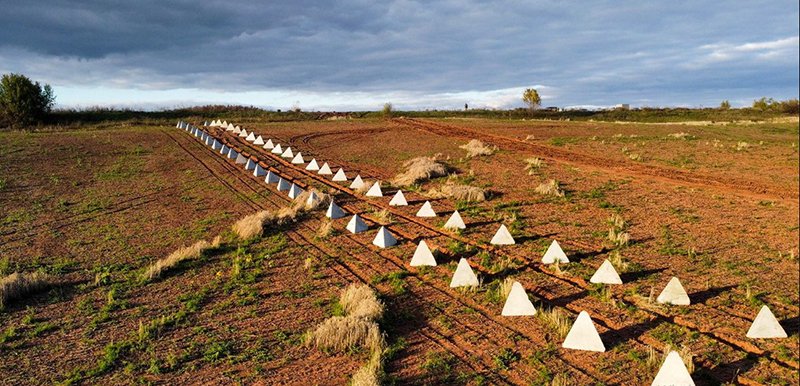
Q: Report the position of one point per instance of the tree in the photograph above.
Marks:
(725, 105)
(531, 98)
(22, 101)
(387, 110)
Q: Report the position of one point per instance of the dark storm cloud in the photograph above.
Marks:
(598, 53)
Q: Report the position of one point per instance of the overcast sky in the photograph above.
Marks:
(359, 54)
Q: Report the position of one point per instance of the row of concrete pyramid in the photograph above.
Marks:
(582, 335)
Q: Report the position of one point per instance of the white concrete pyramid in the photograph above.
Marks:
(502, 236)
(606, 274)
(312, 165)
(312, 199)
(259, 141)
(216, 145)
(259, 171)
(423, 256)
(356, 224)
(766, 326)
(455, 222)
(325, 169)
(357, 182)
(294, 191)
(237, 130)
(243, 134)
(224, 150)
(554, 254)
(673, 372)
(674, 293)
(230, 127)
(399, 199)
(226, 124)
(334, 211)
(179, 125)
(232, 154)
(277, 149)
(583, 335)
(283, 185)
(240, 159)
(205, 123)
(219, 123)
(426, 210)
(251, 137)
(269, 145)
(518, 303)
(209, 140)
(339, 176)
(287, 153)
(384, 238)
(250, 165)
(271, 177)
(463, 276)
(298, 159)
(375, 190)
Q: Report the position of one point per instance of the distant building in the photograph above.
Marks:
(623, 106)
(552, 108)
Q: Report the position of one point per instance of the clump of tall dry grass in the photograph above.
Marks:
(458, 192)
(17, 285)
(252, 225)
(617, 232)
(550, 188)
(419, 169)
(383, 217)
(364, 187)
(301, 202)
(186, 253)
(680, 135)
(340, 333)
(533, 164)
(325, 230)
(360, 301)
(476, 148)
(557, 320)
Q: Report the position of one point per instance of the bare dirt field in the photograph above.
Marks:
(715, 205)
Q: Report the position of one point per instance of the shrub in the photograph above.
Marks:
(419, 169)
(22, 101)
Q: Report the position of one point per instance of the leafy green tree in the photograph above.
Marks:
(531, 98)
(725, 105)
(22, 101)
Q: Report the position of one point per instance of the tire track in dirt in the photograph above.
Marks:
(752, 189)
(578, 283)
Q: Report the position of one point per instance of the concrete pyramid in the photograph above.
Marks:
(219, 123)
(502, 236)
(250, 165)
(357, 182)
(312, 199)
(674, 293)
(179, 125)
(583, 335)
(325, 169)
(259, 171)
(334, 211)
(384, 238)
(375, 190)
(251, 137)
(294, 191)
(240, 159)
(517, 302)
(283, 185)
(426, 210)
(287, 153)
(216, 145)
(298, 159)
(399, 199)
(673, 372)
(237, 130)
(269, 145)
(554, 254)
(271, 177)
(210, 140)
(224, 150)
(455, 222)
(259, 141)
(244, 134)
(765, 326)
(606, 274)
(423, 256)
(339, 176)
(229, 127)
(277, 149)
(226, 124)
(463, 276)
(205, 123)
(356, 224)
(313, 165)
(232, 154)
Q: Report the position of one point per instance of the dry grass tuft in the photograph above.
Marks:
(561, 380)
(557, 320)
(680, 135)
(741, 145)
(325, 230)
(383, 217)
(17, 285)
(369, 374)
(533, 164)
(341, 333)
(365, 187)
(252, 225)
(360, 301)
(505, 287)
(458, 192)
(617, 234)
(476, 148)
(618, 261)
(300, 203)
(186, 253)
(550, 188)
(419, 169)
